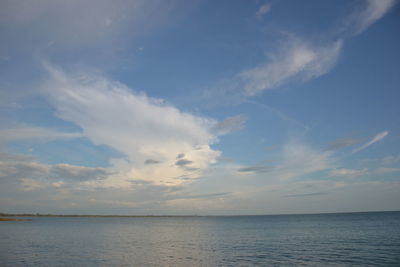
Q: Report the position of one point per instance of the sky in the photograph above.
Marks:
(173, 107)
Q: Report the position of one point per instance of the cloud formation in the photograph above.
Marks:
(34, 133)
(303, 61)
(374, 10)
(376, 138)
(136, 125)
(348, 172)
(341, 143)
(296, 60)
(257, 169)
(230, 124)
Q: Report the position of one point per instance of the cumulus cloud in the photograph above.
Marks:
(34, 133)
(296, 60)
(138, 126)
(376, 138)
(348, 172)
(264, 9)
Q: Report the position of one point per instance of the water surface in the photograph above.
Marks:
(348, 239)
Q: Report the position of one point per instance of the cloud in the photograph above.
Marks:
(385, 170)
(376, 138)
(151, 161)
(78, 173)
(344, 142)
(264, 9)
(374, 10)
(258, 169)
(134, 124)
(307, 195)
(230, 124)
(296, 60)
(390, 160)
(183, 162)
(28, 175)
(34, 133)
(301, 60)
(348, 172)
(67, 24)
(301, 159)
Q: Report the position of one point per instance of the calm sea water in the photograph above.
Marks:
(363, 239)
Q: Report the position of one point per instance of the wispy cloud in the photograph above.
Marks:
(300, 60)
(374, 10)
(376, 138)
(343, 172)
(263, 9)
(296, 60)
(34, 133)
(230, 124)
(385, 170)
(343, 142)
(307, 195)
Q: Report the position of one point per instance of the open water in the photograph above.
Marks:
(347, 239)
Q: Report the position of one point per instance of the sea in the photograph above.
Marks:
(340, 239)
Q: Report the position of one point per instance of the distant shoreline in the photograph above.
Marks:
(168, 216)
(13, 220)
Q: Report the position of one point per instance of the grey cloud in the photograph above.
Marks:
(151, 161)
(80, 173)
(179, 156)
(230, 124)
(201, 196)
(258, 168)
(183, 162)
(14, 157)
(15, 170)
(307, 195)
(340, 143)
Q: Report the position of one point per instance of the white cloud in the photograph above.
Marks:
(374, 10)
(296, 60)
(141, 127)
(34, 133)
(299, 60)
(300, 159)
(376, 138)
(348, 172)
(264, 9)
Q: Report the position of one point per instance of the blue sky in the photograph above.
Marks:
(199, 107)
